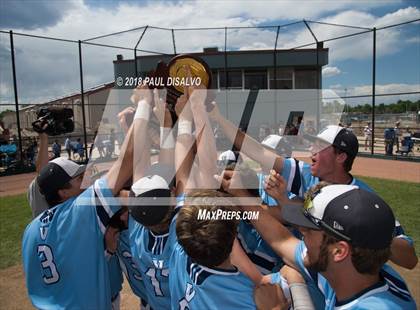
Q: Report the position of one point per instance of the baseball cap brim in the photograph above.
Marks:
(293, 214)
(79, 171)
(321, 143)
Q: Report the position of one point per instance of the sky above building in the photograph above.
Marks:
(47, 69)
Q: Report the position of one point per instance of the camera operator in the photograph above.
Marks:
(51, 121)
(36, 200)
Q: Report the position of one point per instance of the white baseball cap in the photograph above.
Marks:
(227, 156)
(57, 173)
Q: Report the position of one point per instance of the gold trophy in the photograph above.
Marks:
(174, 77)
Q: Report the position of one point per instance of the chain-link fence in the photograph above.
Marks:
(45, 71)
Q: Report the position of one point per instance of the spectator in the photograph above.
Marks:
(389, 138)
(56, 149)
(368, 135)
(99, 144)
(397, 134)
(37, 201)
(111, 144)
(67, 146)
(79, 149)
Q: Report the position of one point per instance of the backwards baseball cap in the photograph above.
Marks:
(340, 137)
(57, 173)
(348, 213)
(152, 195)
(278, 144)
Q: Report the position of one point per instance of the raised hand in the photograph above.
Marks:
(276, 186)
(141, 92)
(125, 118)
(161, 110)
(182, 107)
(230, 181)
(270, 297)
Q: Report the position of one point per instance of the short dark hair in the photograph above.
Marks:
(208, 242)
(52, 197)
(365, 261)
(348, 163)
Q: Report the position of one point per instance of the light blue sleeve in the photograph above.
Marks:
(106, 197)
(287, 170)
(100, 197)
(300, 253)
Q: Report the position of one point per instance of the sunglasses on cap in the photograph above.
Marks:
(308, 205)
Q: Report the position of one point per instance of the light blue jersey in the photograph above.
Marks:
(196, 287)
(151, 253)
(390, 292)
(266, 199)
(258, 251)
(115, 276)
(299, 180)
(129, 266)
(64, 255)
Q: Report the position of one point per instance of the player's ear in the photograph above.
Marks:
(64, 194)
(340, 251)
(341, 157)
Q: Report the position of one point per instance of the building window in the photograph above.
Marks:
(234, 79)
(306, 79)
(256, 79)
(283, 79)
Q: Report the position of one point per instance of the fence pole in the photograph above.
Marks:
(373, 92)
(82, 95)
(275, 76)
(173, 41)
(12, 52)
(135, 64)
(226, 73)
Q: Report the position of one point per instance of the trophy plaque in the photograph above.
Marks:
(174, 77)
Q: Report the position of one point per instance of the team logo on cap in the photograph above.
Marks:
(336, 225)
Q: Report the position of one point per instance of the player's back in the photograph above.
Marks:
(197, 287)
(63, 257)
(152, 252)
(129, 266)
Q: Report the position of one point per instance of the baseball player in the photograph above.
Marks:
(348, 233)
(63, 250)
(333, 152)
(202, 273)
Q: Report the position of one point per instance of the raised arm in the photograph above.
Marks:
(184, 146)
(131, 159)
(271, 230)
(246, 144)
(167, 141)
(42, 158)
(206, 144)
(239, 258)
(403, 253)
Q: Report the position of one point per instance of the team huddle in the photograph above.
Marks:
(321, 239)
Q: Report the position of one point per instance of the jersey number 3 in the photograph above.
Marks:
(51, 274)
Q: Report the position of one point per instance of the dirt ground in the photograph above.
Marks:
(12, 284)
(371, 167)
(13, 292)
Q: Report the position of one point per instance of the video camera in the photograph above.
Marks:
(54, 121)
